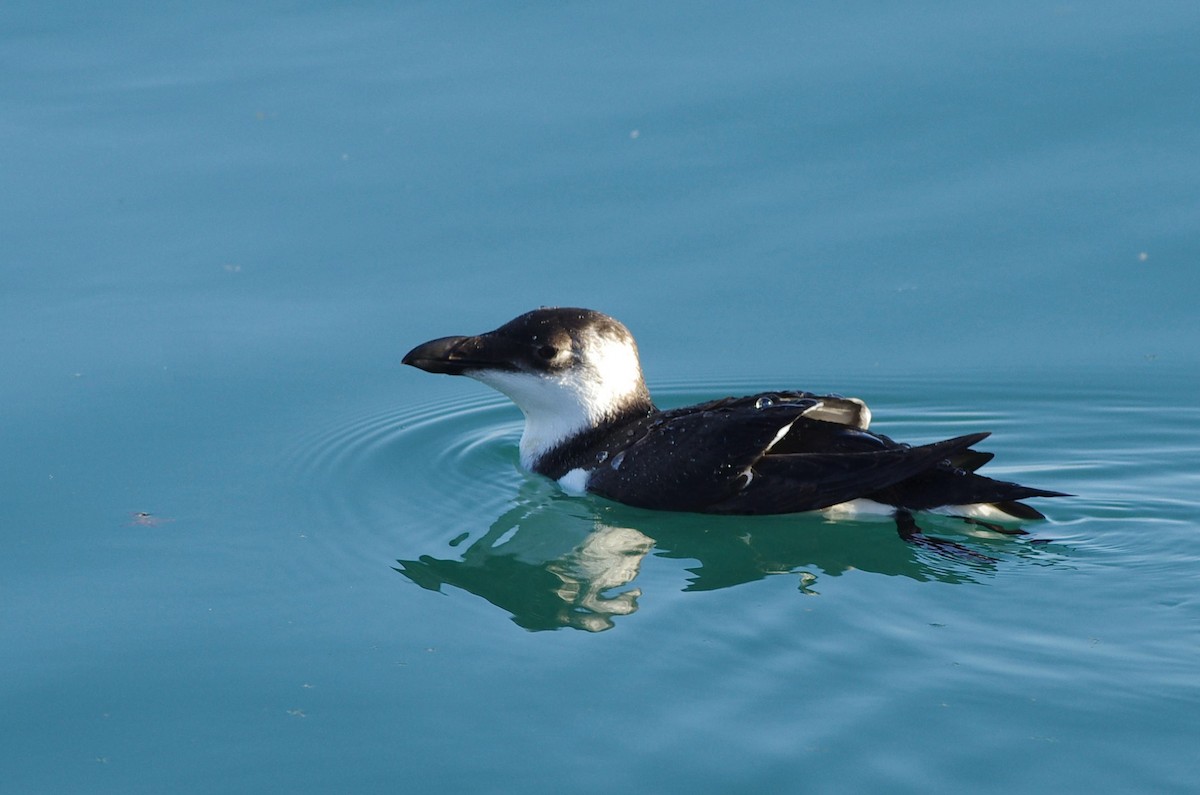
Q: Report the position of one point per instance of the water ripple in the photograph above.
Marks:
(443, 477)
(460, 454)
(389, 473)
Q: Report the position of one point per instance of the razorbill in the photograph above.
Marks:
(590, 425)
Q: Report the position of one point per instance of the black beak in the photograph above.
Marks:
(457, 355)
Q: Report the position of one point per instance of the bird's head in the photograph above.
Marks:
(569, 371)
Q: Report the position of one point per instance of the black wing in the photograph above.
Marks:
(688, 459)
(854, 464)
(759, 454)
(785, 452)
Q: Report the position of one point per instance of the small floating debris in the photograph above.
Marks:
(147, 519)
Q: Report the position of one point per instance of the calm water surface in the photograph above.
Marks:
(245, 550)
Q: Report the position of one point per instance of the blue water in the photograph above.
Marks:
(246, 550)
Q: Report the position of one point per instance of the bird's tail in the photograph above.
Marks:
(953, 482)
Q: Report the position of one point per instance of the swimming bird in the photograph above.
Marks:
(591, 425)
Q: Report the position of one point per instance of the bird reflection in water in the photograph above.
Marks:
(553, 561)
(549, 569)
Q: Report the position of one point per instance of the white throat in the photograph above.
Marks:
(559, 405)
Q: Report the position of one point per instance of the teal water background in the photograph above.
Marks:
(246, 550)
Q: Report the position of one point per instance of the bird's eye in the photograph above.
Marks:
(547, 352)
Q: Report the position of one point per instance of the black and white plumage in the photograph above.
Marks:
(590, 424)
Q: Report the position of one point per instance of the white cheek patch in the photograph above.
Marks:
(614, 371)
